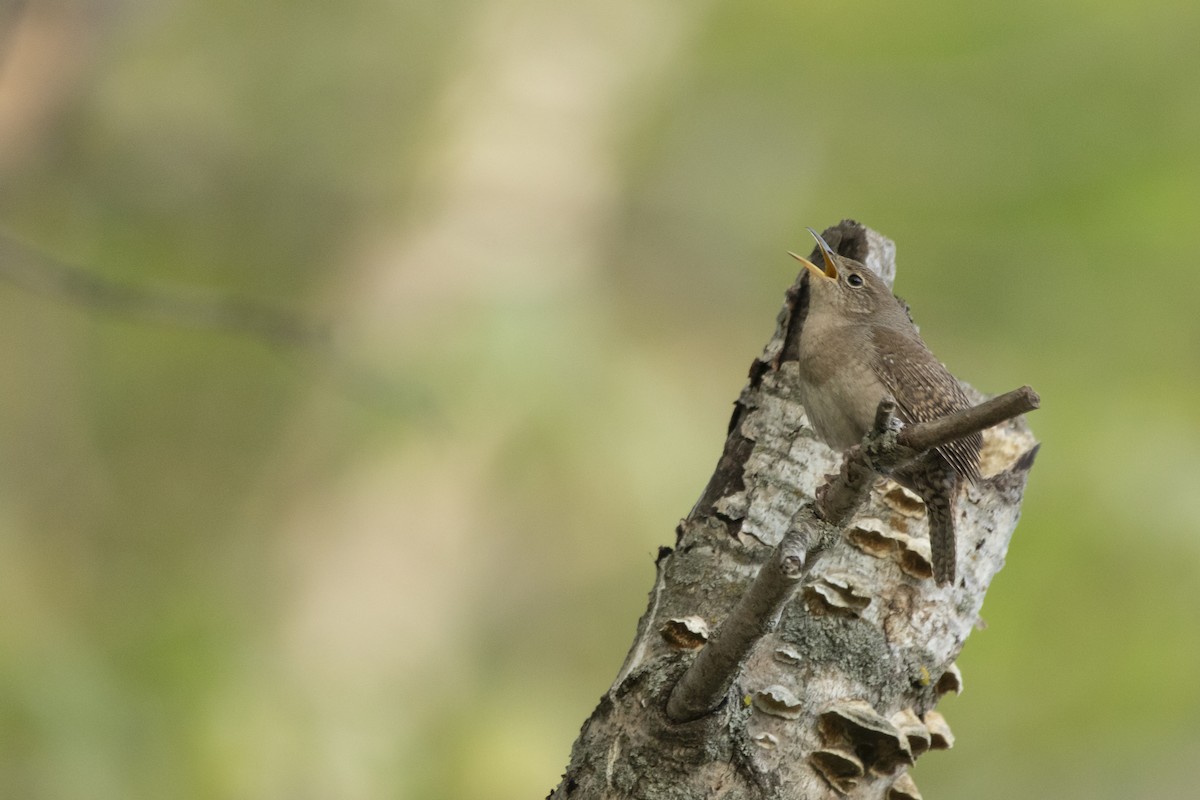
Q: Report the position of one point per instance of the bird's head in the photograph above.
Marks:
(845, 286)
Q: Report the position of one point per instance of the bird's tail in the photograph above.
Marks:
(937, 484)
(940, 507)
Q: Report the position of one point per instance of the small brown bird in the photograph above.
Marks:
(857, 346)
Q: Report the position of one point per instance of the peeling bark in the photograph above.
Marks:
(831, 689)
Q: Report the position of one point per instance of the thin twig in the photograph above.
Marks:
(37, 272)
(289, 334)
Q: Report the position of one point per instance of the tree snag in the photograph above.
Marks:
(795, 644)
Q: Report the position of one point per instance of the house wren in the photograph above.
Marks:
(857, 346)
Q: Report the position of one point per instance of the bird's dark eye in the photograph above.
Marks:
(854, 279)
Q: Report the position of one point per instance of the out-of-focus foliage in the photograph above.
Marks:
(548, 239)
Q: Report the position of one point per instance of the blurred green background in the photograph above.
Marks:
(549, 239)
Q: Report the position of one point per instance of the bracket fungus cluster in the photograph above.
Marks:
(874, 739)
(857, 742)
(875, 538)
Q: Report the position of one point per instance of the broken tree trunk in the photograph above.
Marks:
(795, 644)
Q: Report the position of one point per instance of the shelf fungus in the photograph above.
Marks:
(685, 633)
(940, 735)
(875, 740)
(876, 538)
(903, 788)
(789, 655)
(836, 594)
(841, 768)
(915, 559)
(951, 681)
(778, 701)
(903, 501)
(910, 725)
(767, 741)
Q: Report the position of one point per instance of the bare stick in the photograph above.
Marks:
(884, 449)
(928, 435)
(706, 683)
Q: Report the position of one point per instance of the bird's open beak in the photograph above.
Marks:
(808, 265)
(827, 253)
(830, 272)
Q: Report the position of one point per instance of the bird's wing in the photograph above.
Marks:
(924, 390)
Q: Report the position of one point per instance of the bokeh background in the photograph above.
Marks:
(547, 240)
